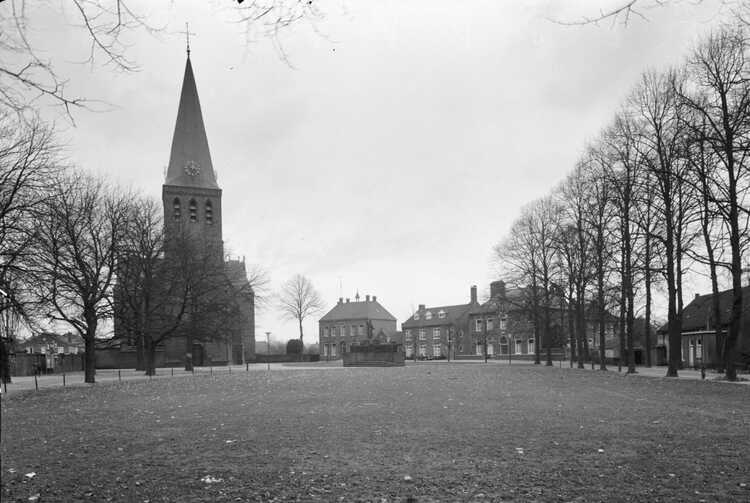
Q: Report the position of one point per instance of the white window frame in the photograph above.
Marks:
(422, 334)
(519, 346)
(436, 333)
(428, 315)
(478, 325)
(441, 314)
(490, 324)
(530, 345)
(439, 348)
(407, 334)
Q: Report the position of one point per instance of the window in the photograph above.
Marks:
(193, 210)
(361, 330)
(333, 350)
(699, 349)
(407, 335)
(479, 349)
(441, 314)
(436, 333)
(477, 325)
(503, 322)
(343, 331)
(437, 350)
(491, 349)
(490, 324)
(421, 334)
(518, 346)
(409, 352)
(209, 213)
(422, 349)
(428, 315)
(325, 349)
(416, 316)
(531, 346)
(176, 212)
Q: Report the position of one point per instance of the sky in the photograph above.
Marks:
(396, 146)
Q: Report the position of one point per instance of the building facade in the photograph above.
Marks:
(704, 332)
(355, 322)
(437, 332)
(215, 325)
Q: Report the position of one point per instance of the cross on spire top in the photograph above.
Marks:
(187, 34)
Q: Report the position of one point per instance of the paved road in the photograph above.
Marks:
(114, 376)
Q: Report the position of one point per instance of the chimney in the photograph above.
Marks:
(374, 298)
(474, 294)
(697, 295)
(421, 307)
(497, 289)
(367, 298)
(347, 300)
(341, 300)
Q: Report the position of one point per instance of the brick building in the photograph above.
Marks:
(437, 332)
(219, 326)
(504, 324)
(701, 344)
(350, 323)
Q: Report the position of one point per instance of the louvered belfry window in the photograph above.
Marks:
(193, 209)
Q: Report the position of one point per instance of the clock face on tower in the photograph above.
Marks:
(192, 168)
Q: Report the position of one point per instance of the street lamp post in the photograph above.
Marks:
(268, 351)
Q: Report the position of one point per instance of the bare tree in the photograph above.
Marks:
(28, 78)
(299, 299)
(75, 252)
(719, 70)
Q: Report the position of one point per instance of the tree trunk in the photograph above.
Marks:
(572, 331)
(189, 350)
(647, 271)
(140, 357)
(89, 368)
(150, 355)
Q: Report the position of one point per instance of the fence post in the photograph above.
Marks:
(63, 378)
(172, 371)
(247, 367)
(119, 376)
(230, 368)
(36, 383)
(212, 370)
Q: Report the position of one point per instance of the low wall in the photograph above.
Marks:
(262, 358)
(376, 355)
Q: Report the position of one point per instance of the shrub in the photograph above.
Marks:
(294, 347)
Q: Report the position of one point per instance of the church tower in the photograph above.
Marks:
(190, 194)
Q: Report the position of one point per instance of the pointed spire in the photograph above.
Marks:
(190, 160)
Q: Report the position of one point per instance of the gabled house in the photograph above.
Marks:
(704, 337)
(355, 322)
(438, 332)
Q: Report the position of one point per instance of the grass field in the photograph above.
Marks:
(466, 432)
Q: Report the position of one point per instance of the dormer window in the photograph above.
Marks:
(428, 315)
(193, 210)
(176, 209)
(209, 213)
(416, 316)
(441, 314)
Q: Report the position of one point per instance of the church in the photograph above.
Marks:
(212, 322)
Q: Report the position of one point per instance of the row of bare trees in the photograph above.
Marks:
(659, 195)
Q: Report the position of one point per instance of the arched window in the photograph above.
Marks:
(428, 315)
(504, 345)
(177, 210)
(193, 210)
(209, 213)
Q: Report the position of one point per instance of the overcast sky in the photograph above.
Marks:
(400, 147)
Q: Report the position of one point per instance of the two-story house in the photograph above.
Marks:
(355, 322)
(437, 332)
